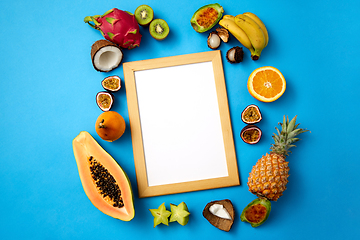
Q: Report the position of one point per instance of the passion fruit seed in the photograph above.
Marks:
(104, 100)
(112, 83)
(251, 114)
(251, 134)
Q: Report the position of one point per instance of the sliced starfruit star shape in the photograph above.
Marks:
(179, 213)
(161, 215)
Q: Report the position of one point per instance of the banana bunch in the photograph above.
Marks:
(249, 30)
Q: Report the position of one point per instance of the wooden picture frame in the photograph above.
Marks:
(180, 124)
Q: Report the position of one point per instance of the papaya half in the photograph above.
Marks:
(104, 181)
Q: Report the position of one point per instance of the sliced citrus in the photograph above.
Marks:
(266, 84)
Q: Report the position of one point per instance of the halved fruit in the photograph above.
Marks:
(104, 100)
(206, 17)
(216, 218)
(159, 29)
(144, 14)
(251, 114)
(251, 134)
(104, 181)
(112, 83)
(105, 55)
(266, 84)
(256, 212)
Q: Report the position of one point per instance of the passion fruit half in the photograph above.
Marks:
(251, 114)
(112, 83)
(256, 212)
(104, 100)
(251, 134)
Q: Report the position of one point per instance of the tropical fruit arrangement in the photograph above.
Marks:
(106, 183)
(249, 30)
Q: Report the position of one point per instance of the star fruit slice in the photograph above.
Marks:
(179, 213)
(161, 215)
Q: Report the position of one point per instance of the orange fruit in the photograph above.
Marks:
(266, 84)
(110, 126)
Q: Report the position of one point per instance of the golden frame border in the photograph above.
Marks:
(139, 158)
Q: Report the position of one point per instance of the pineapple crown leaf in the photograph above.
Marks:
(285, 138)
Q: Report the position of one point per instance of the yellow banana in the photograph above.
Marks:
(260, 23)
(254, 32)
(228, 23)
(231, 17)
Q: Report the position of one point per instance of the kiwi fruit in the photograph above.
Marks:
(159, 29)
(144, 15)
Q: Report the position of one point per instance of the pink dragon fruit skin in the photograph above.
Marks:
(118, 27)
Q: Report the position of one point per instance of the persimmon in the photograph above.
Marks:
(110, 126)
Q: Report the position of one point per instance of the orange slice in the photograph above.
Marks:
(266, 84)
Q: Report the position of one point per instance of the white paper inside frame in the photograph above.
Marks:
(182, 140)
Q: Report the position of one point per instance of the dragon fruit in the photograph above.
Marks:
(117, 26)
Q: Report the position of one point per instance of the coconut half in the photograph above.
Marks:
(220, 214)
(105, 55)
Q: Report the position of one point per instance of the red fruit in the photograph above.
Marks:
(118, 27)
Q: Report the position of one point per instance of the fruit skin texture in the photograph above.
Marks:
(256, 212)
(261, 25)
(110, 126)
(179, 213)
(85, 146)
(228, 22)
(161, 215)
(118, 27)
(206, 17)
(269, 176)
(254, 32)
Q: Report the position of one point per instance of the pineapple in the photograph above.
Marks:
(268, 178)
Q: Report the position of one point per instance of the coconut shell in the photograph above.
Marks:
(220, 223)
(97, 46)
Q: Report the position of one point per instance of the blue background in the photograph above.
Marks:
(48, 88)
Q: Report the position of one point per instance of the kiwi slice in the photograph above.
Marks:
(144, 15)
(159, 29)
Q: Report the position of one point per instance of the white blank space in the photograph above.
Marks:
(180, 123)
